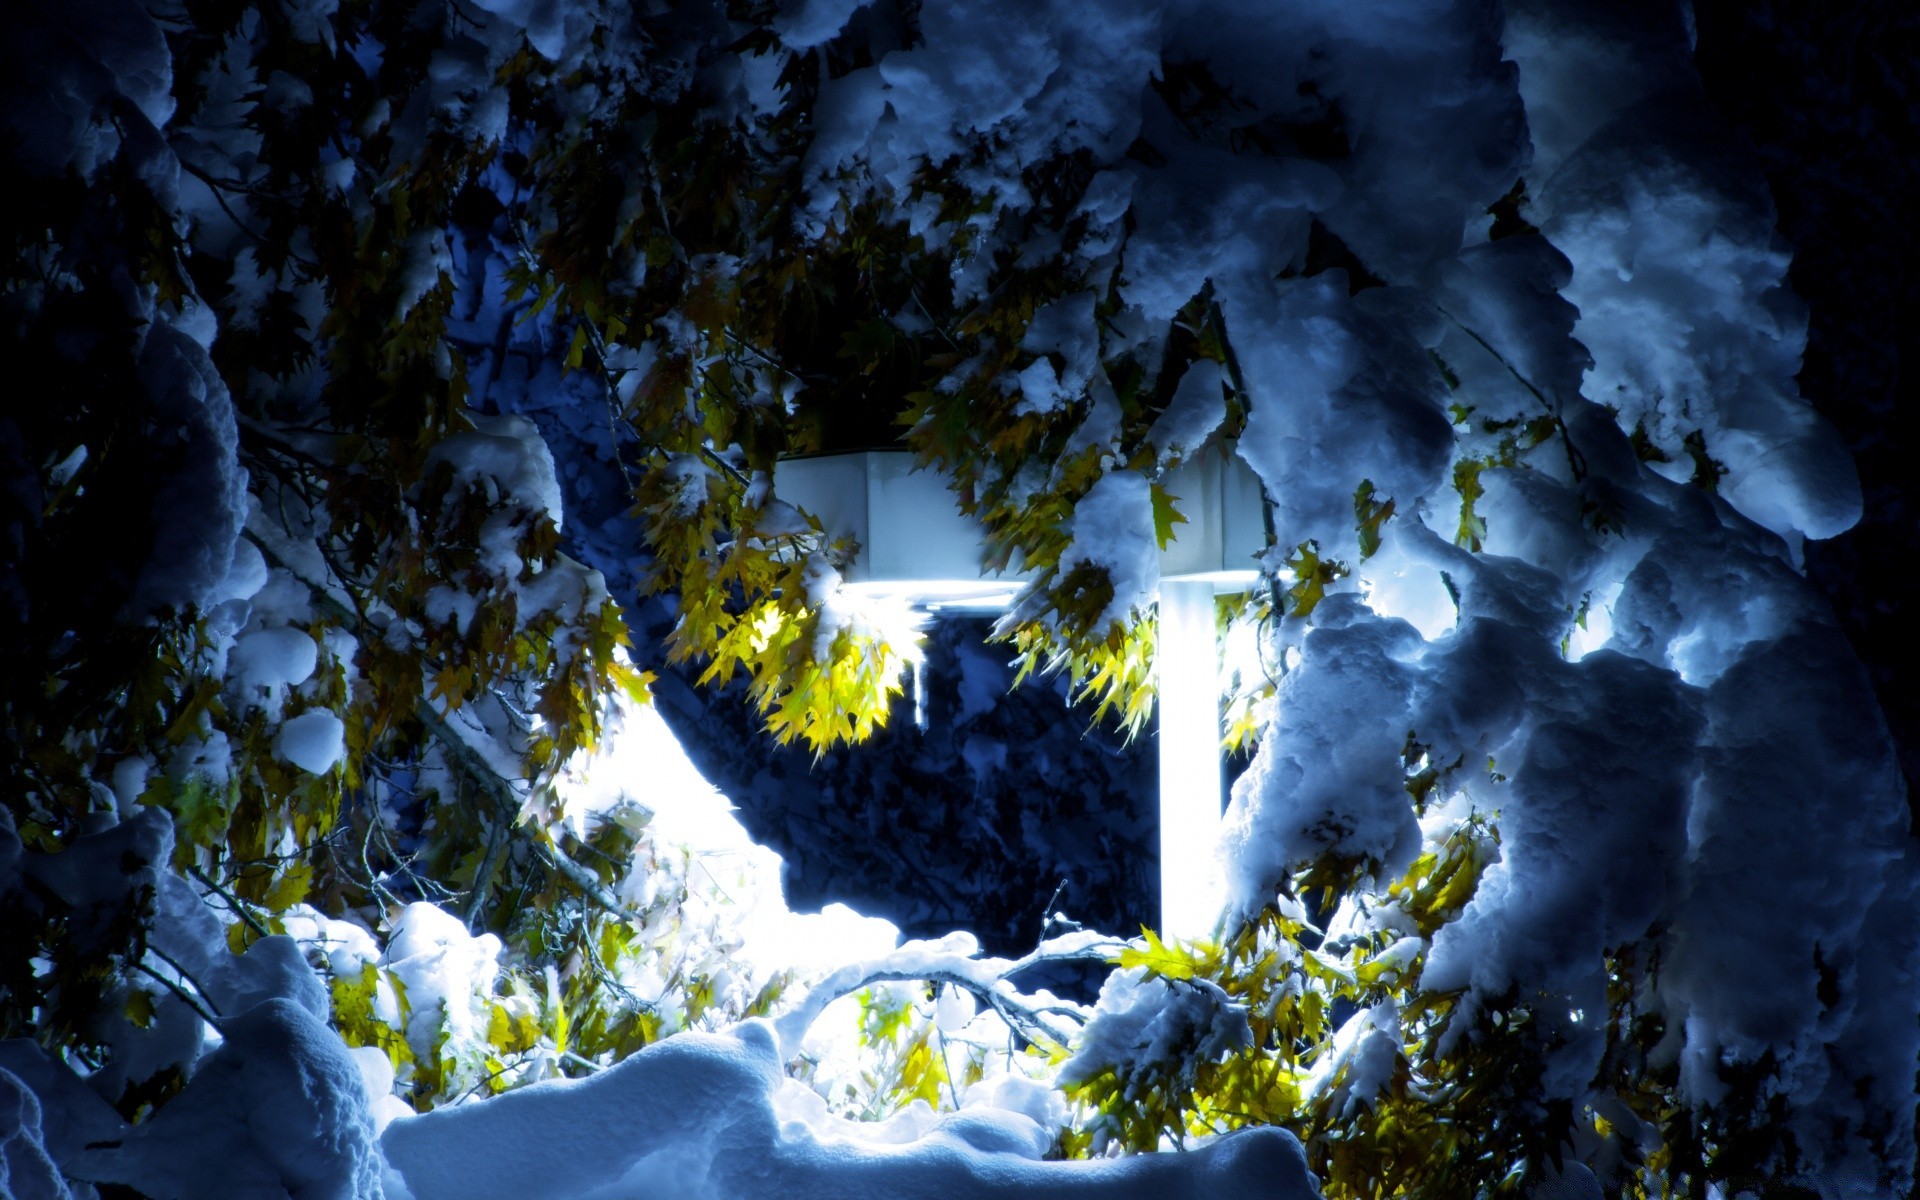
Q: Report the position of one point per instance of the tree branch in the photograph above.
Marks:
(953, 961)
(468, 761)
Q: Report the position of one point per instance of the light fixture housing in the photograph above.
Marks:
(915, 543)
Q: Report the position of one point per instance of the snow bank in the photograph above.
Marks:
(26, 1170)
(695, 1116)
(274, 1105)
(278, 1110)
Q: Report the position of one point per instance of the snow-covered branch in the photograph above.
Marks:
(955, 960)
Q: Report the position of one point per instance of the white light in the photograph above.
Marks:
(641, 761)
(989, 595)
(1186, 663)
(1223, 582)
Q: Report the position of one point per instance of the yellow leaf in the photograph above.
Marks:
(290, 889)
(1168, 962)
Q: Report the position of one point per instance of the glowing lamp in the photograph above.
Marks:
(916, 545)
(1211, 552)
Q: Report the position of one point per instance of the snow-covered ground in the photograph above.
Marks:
(278, 1105)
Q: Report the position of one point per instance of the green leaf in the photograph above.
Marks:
(1370, 514)
(1165, 516)
(1311, 575)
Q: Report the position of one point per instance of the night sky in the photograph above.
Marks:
(1829, 98)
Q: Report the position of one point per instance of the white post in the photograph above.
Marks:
(1187, 664)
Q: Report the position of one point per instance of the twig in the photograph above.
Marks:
(468, 761)
(179, 993)
(937, 327)
(241, 910)
(210, 1014)
(217, 188)
(483, 874)
(1576, 461)
(1046, 917)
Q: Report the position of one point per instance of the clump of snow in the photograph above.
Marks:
(103, 55)
(1327, 777)
(507, 456)
(423, 266)
(543, 22)
(1196, 410)
(1338, 396)
(1063, 329)
(444, 970)
(804, 24)
(314, 741)
(376, 1075)
(268, 659)
(246, 575)
(201, 503)
(1582, 61)
(70, 1115)
(1141, 1020)
(343, 945)
(1362, 1056)
(1113, 530)
(1680, 280)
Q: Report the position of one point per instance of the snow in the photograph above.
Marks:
(69, 68)
(246, 575)
(1189, 1021)
(1681, 285)
(1065, 329)
(1327, 775)
(314, 741)
(804, 24)
(1338, 396)
(26, 1170)
(541, 20)
(508, 455)
(266, 659)
(277, 1110)
(1113, 530)
(1196, 410)
(343, 946)
(201, 504)
(444, 969)
(696, 1116)
(276, 1107)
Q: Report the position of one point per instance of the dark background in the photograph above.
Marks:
(1828, 97)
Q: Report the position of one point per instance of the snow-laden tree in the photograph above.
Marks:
(1572, 848)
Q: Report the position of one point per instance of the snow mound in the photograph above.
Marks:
(694, 1117)
(277, 1112)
